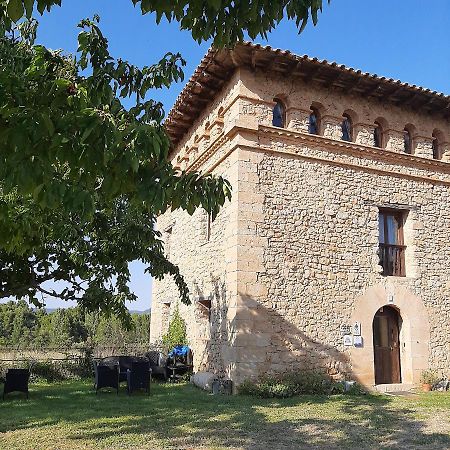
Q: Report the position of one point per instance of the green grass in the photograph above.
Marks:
(70, 416)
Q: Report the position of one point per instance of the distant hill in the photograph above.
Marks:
(147, 311)
(132, 311)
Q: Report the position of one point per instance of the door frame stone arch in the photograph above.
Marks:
(414, 335)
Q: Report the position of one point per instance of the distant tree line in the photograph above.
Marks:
(27, 328)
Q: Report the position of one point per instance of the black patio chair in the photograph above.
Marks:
(139, 376)
(16, 381)
(106, 376)
(123, 362)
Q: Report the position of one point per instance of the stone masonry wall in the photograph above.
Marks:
(322, 228)
(201, 250)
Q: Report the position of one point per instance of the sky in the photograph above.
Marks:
(407, 40)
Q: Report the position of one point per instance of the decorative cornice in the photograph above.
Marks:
(358, 149)
(323, 143)
(330, 162)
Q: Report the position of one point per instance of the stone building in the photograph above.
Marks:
(334, 251)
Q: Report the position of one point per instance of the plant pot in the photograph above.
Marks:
(426, 387)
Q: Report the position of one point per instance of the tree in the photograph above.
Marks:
(224, 21)
(18, 324)
(82, 178)
(176, 333)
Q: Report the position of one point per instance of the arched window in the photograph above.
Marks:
(437, 151)
(279, 115)
(347, 128)
(314, 122)
(378, 135)
(407, 141)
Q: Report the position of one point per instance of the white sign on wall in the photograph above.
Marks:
(357, 341)
(348, 340)
(357, 329)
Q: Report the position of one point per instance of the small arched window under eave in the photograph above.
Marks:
(436, 149)
(314, 122)
(378, 135)
(407, 141)
(347, 128)
(436, 144)
(279, 114)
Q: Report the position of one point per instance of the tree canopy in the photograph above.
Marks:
(224, 21)
(82, 178)
(22, 327)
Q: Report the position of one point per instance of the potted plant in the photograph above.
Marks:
(428, 379)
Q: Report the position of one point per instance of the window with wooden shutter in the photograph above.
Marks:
(391, 243)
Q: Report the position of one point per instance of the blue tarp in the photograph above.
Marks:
(179, 350)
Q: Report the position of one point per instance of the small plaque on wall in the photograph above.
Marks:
(348, 340)
(357, 341)
(357, 329)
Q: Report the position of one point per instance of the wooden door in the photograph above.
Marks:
(386, 346)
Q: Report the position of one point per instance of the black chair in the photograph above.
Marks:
(123, 362)
(158, 363)
(106, 375)
(16, 381)
(139, 376)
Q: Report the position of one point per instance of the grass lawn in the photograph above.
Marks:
(70, 416)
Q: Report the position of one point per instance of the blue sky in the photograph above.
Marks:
(403, 39)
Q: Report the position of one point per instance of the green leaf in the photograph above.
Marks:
(28, 7)
(15, 10)
(216, 4)
(48, 124)
(89, 129)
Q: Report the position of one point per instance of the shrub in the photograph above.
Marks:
(356, 389)
(429, 376)
(176, 333)
(59, 370)
(288, 385)
(51, 370)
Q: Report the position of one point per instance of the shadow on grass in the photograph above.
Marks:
(181, 416)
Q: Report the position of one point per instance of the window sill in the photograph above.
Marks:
(398, 277)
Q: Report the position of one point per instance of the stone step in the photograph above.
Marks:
(394, 387)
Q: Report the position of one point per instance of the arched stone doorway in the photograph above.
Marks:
(414, 332)
(386, 328)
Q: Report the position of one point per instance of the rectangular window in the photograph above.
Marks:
(392, 250)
